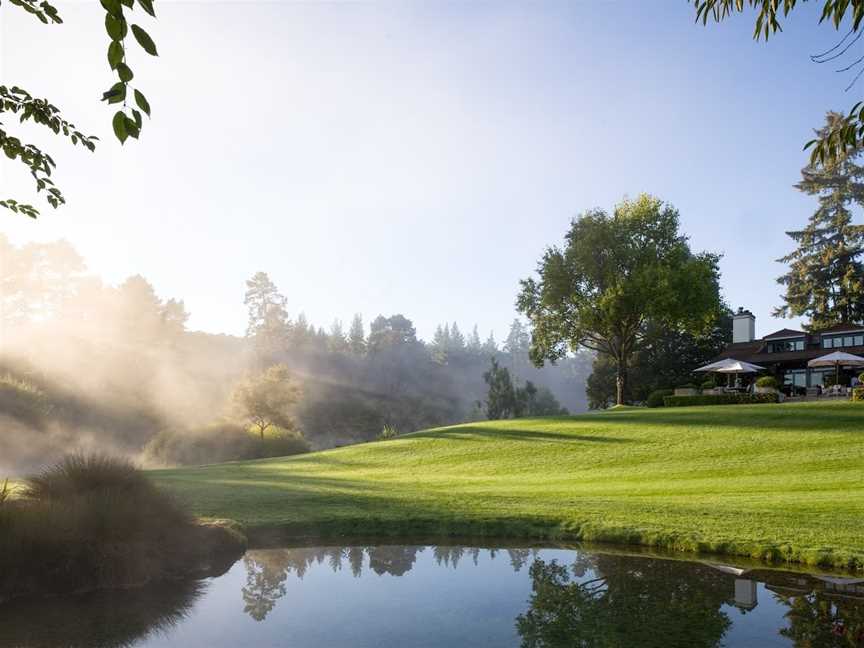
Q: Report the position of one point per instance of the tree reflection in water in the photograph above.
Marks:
(598, 599)
(612, 600)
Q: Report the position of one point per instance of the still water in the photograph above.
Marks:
(431, 596)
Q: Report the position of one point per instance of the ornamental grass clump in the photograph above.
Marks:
(94, 522)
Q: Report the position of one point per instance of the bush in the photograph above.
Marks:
(217, 443)
(858, 394)
(655, 398)
(389, 432)
(96, 522)
(709, 384)
(686, 386)
(767, 381)
(861, 377)
(719, 399)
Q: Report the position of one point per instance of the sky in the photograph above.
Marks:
(417, 158)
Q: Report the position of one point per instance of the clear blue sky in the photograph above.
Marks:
(417, 158)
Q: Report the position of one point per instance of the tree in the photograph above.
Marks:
(127, 121)
(474, 345)
(390, 333)
(613, 276)
(457, 340)
(825, 281)
(517, 345)
(500, 397)
(357, 336)
(336, 340)
(666, 359)
(268, 323)
(441, 343)
(846, 133)
(266, 400)
(490, 346)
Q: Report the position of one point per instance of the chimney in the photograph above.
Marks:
(743, 326)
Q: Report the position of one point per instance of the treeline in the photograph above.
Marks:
(89, 366)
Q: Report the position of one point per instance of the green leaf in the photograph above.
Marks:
(141, 100)
(116, 27)
(144, 40)
(113, 7)
(124, 72)
(138, 119)
(115, 94)
(115, 54)
(131, 128)
(147, 5)
(119, 124)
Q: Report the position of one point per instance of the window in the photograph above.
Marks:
(848, 341)
(796, 377)
(859, 340)
(827, 343)
(785, 345)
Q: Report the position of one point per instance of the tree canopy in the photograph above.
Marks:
(614, 275)
(846, 133)
(825, 280)
(126, 122)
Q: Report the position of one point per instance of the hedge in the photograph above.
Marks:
(655, 398)
(720, 399)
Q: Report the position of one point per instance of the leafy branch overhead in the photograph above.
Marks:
(847, 134)
(126, 122)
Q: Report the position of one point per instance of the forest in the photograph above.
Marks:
(88, 366)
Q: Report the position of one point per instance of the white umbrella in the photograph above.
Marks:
(731, 365)
(837, 359)
(739, 366)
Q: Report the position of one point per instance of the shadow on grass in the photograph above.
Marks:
(468, 433)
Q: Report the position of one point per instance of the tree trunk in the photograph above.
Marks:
(620, 381)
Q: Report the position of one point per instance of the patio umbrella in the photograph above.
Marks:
(731, 366)
(837, 359)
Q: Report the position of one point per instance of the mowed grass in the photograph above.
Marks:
(781, 482)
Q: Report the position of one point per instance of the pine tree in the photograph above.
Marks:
(441, 343)
(336, 341)
(490, 346)
(825, 281)
(475, 346)
(357, 336)
(457, 340)
(268, 323)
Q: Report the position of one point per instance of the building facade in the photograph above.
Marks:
(785, 353)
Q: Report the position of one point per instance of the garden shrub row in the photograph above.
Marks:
(719, 399)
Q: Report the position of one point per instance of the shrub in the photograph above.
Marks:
(97, 522)
(767, 381)
(217, 443)
(861, 377)
(389, 432)
(655, 398)
(709, 384)
(686, 386)
(858, 394)
(719, 399)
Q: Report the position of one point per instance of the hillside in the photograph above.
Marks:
(780, 481)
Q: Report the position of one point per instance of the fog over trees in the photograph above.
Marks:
(89, 366)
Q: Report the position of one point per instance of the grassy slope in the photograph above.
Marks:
(781, 481)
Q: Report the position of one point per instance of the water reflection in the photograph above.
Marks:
(436, 596)
(117, 619)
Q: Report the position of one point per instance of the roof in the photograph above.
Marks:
(749, 352)
(785, 333)
(840, 328)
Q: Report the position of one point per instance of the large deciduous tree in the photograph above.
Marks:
(825, 280)
(614, 274)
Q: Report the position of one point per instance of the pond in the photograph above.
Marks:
(430, 596)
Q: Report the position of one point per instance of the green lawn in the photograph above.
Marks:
(781, 481)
